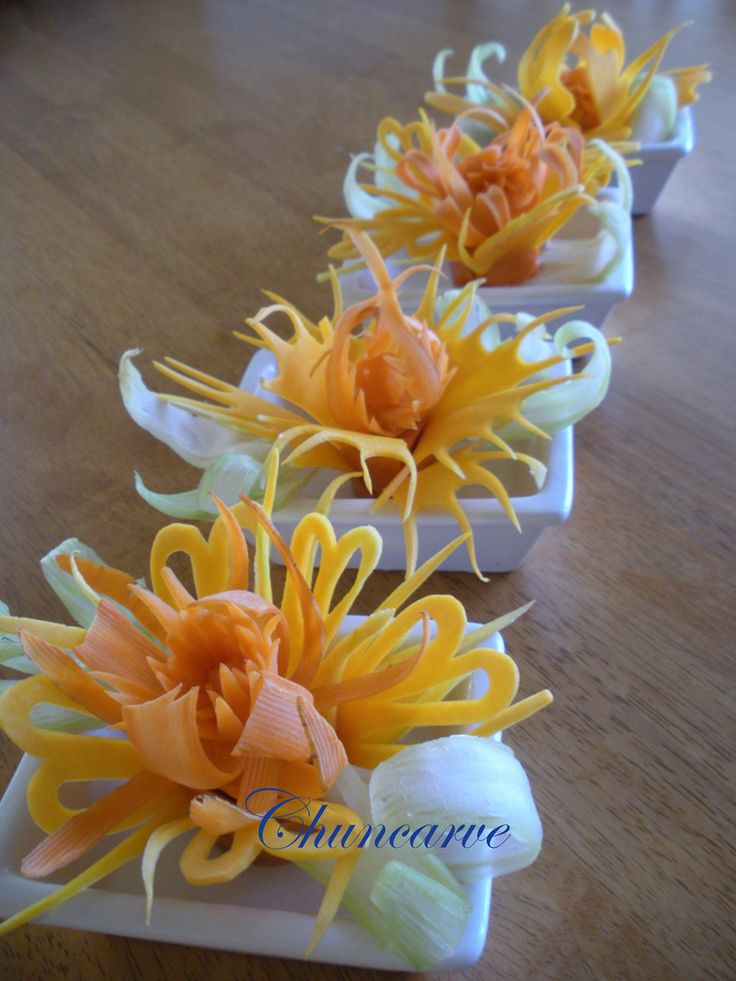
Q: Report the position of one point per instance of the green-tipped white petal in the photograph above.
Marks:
(11, 652)
(481, 94)
(589, 260)
(434, 908)
(465, 780)
(656, 114)
(58, 719)
(623, 178)
(438, 69)
(67, 588)
(385, 172)
(416, 906)
(182, 505)
(228, 477)
(359, 203)
(196, 440)
(78, 598)
(616, 224)
(565, 404)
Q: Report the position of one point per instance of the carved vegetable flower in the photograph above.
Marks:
(216, 693)
(490, 206)
(413, 406)
(575, 70)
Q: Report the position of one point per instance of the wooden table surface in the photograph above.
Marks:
(160, 164)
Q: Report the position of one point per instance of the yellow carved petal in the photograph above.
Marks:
(237, 408)
(541, 64)
(353, 643)
(315, 535)
(687, 81)
(439, 489)
(529, 230)
(371, 728)
(301, 360)
(16, 705)
(156, 843)
(338, 882)
(607, 36)
(200, 870)
(367, 446)
(54, 633)
(449, 617)
(210, 558)
(636, 78)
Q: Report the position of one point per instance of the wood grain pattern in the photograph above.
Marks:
(160, 165)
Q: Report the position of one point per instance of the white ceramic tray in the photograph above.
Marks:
(269, 910)
(658, 162)
(499, 546)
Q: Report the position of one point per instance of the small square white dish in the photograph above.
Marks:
(270, 910)
(658, 161)
(499, 546)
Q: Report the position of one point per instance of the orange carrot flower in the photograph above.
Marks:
(490, 207)
(222, 691)
(575, 69)
(412, 406)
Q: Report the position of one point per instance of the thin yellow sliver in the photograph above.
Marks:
(315, 533)
(120, 855)
(337, 884)
(156, 843)
(263, 543)
(515, 713)
(353, 643)
(54, 633)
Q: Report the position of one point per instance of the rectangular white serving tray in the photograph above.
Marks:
(499, 546)
(658, 161)
(270, 910)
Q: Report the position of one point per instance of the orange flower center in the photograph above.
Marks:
(513, 175)
(396, 393)
(213, 634)
(577, 83)
(386, 371)
(476, 196)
